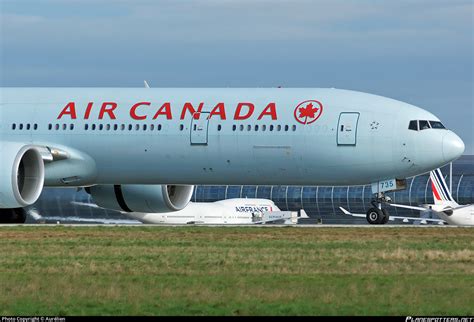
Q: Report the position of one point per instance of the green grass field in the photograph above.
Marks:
(236, 271)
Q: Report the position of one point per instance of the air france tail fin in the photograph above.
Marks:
(441, 193)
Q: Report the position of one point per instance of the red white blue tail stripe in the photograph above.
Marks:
(440, 189)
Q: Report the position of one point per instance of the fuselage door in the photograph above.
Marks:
(199, 128)
(347, 128)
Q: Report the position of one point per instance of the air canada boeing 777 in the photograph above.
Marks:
(143, 149)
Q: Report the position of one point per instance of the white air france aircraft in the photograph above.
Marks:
(448, 210)
(143, 149)
(238, 211)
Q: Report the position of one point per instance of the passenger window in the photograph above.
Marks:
(286, 127)
(249, 127)
(234, 127)
(159, 127)
(14, 126)
(35, 127)
(271, 127)
(278, 127)
(413, 125)
(28, 126)
(71, 127)
(57, 127)
(436, 125)
(152, 127)
(424, 125)
(256, 128)
(241, 127)
(93, 127)
(293, 128)
(219, 127)
(21, 126)
(264, 127)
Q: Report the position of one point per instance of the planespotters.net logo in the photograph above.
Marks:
(438, 319)
(308, 112)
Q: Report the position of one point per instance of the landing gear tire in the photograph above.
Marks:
(375, 216)
(386, 216)
(12, 216)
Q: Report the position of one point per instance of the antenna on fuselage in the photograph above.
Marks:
(146, 84)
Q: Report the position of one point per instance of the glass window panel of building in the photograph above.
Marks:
(279, 197)
(249, 191)
(324, 201)
(340, 198)
(419, 191)
(310, 202)
(233, 191)
(466, 190)
(294, 197)
(207, 193)
(264, 192)
(356, 199)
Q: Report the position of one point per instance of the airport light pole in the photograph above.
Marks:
(451, 177)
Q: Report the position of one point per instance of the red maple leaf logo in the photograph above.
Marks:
(308, 111)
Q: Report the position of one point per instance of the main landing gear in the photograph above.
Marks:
(376, 215)
(12, 216)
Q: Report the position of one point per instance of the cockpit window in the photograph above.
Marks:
(417, 125)
(436, 125)
(413, 125)
(424, 125)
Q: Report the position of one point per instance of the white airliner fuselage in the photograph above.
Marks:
(461, 216)
(123, 136)
(235, 211)
(229, 211)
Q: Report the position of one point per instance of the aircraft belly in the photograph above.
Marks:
(230, 161)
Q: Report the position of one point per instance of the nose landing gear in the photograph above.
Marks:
(376, 215)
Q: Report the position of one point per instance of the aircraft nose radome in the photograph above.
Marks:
(453, 147)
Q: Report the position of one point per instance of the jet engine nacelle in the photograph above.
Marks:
(21, 175)
(142, 198)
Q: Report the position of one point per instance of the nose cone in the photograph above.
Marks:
(453, 146)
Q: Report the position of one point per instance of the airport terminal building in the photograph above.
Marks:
(320, 203)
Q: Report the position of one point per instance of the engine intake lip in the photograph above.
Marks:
(177, 197)
(28, 175)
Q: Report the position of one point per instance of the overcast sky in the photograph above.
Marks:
(420, 52)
